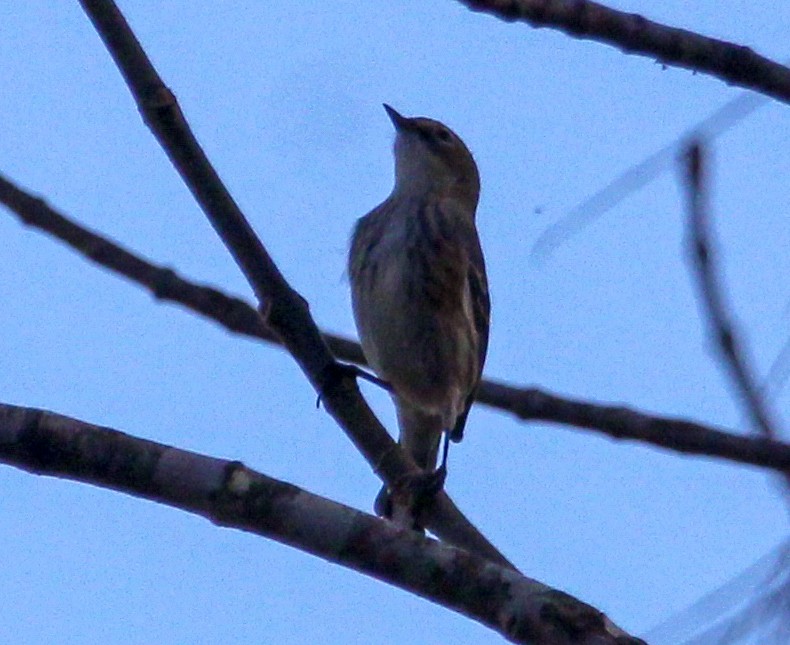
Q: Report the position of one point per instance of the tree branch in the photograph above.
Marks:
(634, 34)
(238, 316)
(234, 314)
(231, 495)
(620, 422)
(721, 327)
(722, 330)
(283, 308)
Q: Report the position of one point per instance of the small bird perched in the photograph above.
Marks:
(419, 288)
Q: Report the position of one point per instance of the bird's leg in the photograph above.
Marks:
(427, 485)
(409, 498)
(336, 371)
(445, 451)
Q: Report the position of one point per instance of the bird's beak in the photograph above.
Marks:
(400, 122)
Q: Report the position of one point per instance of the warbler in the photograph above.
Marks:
(419, 288)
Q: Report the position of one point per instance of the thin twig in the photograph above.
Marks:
(768, 606)
(722, 330)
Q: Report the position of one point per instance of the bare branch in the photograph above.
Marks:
(620, 422)
(284, 309)
(722, 329)
(634, 34)
(234, 314)
(231, 495)
(240, 317)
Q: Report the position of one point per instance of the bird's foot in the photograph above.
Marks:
(336, 371)
(407, 501)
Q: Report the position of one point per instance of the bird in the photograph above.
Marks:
(419, 292)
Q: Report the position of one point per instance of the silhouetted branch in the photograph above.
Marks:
(620, 422)
(526, 403)
(722, 330)
(767, 614)
(285, 311)
(634, 34)
(231, 495)
(232, 313)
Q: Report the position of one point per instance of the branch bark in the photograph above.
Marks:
(634, 34)
(230, 495)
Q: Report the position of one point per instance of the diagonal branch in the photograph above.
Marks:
(284, 309)
(234, 314)
(231, 495)
(634, 34)
(526, 403)
(722, 330)
(721, 327)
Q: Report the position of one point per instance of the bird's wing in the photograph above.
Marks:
(477, 283)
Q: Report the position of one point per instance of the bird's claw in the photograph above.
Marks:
(406, 502)
(335, 371)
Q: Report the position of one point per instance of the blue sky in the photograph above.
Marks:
(287, 103)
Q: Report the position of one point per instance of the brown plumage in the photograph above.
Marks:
(419, 288)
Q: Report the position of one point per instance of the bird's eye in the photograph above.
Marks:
(443, 135)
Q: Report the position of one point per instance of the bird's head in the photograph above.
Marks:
(430, 156)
